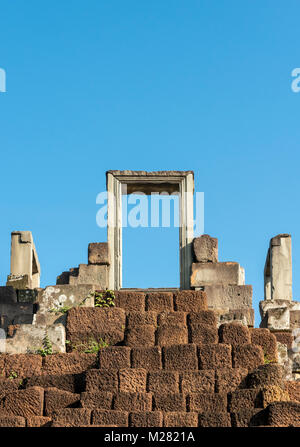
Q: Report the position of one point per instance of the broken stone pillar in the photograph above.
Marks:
(278, 310)
(278, 269)
(98, 253)
(205, 248)
(223, 282)
(95, 272)
(24, 263)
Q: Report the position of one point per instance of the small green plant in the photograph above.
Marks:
(91, 347)
(60, 309)
(13, 375)
(46, 348)
(104, 299)
(267, 359)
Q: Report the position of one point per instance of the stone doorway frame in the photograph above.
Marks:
(147, 182)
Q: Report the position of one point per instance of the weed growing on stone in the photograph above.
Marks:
(60, 309)
(91, 347)
(104, 299)
(46, 348)
(13, 375)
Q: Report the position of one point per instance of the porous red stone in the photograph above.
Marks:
(146, 419)
(101, 400)
(180, 419)
(160, 301)
(110, 418)
(171, 335)
(102, 380)
(169, 402)
(147, 357)
(56, 399)
(197, 381)
(114, 357)
(180, 357)
(133, 380)
(248, 356)
(130, 301)
(190, 301)
(69, 363)
(264, 338)
(214, 356)
(25, 403)
(234, 334)
(163, 382)
(133, 401)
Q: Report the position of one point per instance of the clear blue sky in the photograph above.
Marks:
(155, 85)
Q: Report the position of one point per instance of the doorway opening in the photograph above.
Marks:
(151, 255)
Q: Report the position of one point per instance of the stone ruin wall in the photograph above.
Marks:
(173, 358)
(27, 311)
(158, 357)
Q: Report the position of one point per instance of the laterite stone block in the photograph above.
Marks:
(180, 357)
(140, 336)
(264, 375)
(56, 399)
(273, 393)
(248, 417)
(180, 419)
(146, 419)
(197, 381)
(72, 417)
(284, 414)
(234, 334)
(171, 335)
(102, 380)
(207, 317)
(85, 324)
(241, 399)
(230, 379)
(130, 301)
(23, 365)
(169, 402)
(172, 318)
(214, 356)
(215, 420)
(141, 318)
(8, 385)
(38, 421)
(147, 358)
(161, 382)
(101, 400)
(110, 418)
(286, 338)
(133, 402)
(160, 301)
(24, 403)
(190, 301)
(12, 421)
(114, 357)
(264, 338)
(203, 334)
(293, 389)
(133, 380)
(74, 383)
(207, 402)
(71, 363)
(248, 356)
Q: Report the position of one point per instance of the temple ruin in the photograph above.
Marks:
(87, 352)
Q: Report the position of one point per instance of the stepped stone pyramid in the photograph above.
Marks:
(167, 365)
(87, 353)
